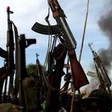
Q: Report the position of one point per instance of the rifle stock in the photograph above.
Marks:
(78, 74)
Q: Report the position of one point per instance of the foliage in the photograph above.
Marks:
(32, 68)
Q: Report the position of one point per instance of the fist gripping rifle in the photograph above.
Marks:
(104, 79)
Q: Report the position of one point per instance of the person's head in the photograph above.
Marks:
(98, 101)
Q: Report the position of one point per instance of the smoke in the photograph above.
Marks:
(105, 24)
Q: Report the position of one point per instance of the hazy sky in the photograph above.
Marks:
(27, 12)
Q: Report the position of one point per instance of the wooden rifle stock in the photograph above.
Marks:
(78, 74)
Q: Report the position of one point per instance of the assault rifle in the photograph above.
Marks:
(79, 77)
(10, 51)
(9, 58)
(65, 31)
(65, 35)
(61, 28)
(23, 43)
(10, 41)
(104, 79)
(40, 86)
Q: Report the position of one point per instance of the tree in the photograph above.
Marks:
(31, 68)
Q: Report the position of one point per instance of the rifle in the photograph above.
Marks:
(104, 79)
(10, 41)
(62, 28)
(59, 16)
(79, 77)
(40, 85)
(23, 43)
(65, 35)
(10, 51)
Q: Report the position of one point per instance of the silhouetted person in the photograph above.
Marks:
(98, 101)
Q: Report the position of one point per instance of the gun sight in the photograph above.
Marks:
(89, 44)
(9, 11)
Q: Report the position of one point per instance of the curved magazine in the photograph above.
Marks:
(44, 29)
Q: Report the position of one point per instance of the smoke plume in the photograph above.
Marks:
(105, 24)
